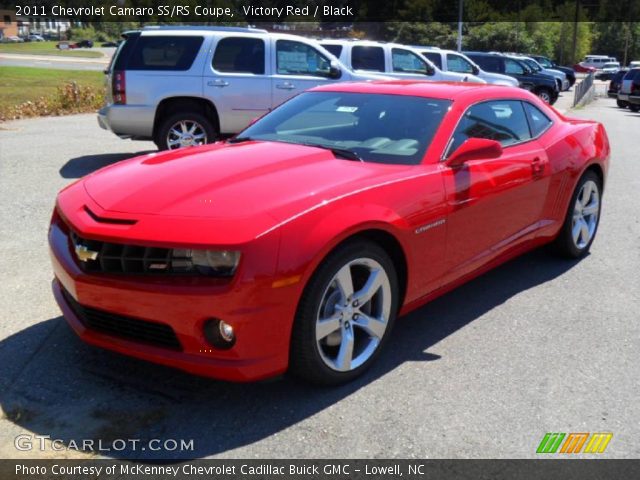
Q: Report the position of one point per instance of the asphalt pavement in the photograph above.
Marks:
(538, 345)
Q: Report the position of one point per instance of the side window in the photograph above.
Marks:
(513, 67)
(500, 120)
(435, 58)
(239, 55)
(164, 52)
(334, 50)
(367, 58)
(488, 63)
(459, 64)
(538, 121)
(297, 58)
(405, 61)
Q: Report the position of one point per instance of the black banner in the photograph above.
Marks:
(327, 11)
(321, 469)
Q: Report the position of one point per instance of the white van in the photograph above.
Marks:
(452, 61)
(596, 61)
(391, 59)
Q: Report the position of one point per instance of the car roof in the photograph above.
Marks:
(418, 88)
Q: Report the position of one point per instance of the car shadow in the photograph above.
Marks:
(53, 384)
(80, 166)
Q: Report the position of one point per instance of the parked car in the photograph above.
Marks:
(542, 85)
(295, 245)
(548, 63)
(452, 61)
(84, 44)
(579, 68)
(64, 45)
(597, 61)
(634, 64)
(35, 38)
(12, 39)
(608, 71)
(614, 87)
(391, 59)
(630, 89)
(109, 44)
(560, 77)
(183, 86)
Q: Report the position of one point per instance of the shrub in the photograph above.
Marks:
(69, 98)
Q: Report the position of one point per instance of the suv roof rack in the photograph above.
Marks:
(204, 27)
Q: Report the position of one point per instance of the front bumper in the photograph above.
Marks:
(261, 316)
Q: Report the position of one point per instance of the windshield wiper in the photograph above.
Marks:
(239, 139)
(338, 152)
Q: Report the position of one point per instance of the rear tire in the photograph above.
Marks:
(634, 108)
(184, 129)
(345, 315)
(582, 219)
(622, 103)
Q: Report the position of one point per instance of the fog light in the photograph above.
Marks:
(219, 334)
(226, 331)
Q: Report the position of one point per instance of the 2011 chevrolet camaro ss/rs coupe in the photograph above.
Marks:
(295, 245)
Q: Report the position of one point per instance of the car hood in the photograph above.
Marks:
(230, 181)
(498, 79)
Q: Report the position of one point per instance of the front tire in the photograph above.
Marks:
(545, 95)
(185, 129)
(622, 104)
(634, 108)
(345, 315)
(582, 219)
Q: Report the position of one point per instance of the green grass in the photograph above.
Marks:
(46, 48)
(23, 84)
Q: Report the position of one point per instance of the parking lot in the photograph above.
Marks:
(538, 345)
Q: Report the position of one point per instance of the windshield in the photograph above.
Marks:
(544, 62)
(533, 65)
(393, 129)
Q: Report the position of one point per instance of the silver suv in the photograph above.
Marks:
(182, 86)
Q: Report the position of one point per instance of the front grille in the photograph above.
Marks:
(133, 259)
(156, 334)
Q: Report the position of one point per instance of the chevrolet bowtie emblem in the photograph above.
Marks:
(84, 254)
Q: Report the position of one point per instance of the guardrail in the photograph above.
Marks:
(582, 88)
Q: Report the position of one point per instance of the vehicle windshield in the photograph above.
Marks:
(533, 65)
(544, 62)
(391, 129)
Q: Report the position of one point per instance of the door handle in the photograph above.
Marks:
(218, 83)
(285, 86)
(537, 167)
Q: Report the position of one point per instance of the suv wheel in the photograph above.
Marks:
(622, 103)
(185, 129)
(634, 108)
(545, 95)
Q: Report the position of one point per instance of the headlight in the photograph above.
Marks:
(217, 263)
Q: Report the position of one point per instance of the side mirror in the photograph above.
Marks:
(474, 149)
(476, 70)
(335, 71)
(430, 70)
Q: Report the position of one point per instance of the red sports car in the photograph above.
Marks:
(295, 245)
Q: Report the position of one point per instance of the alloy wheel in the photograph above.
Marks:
(353, 315)
(585, 214)
(186, 133)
